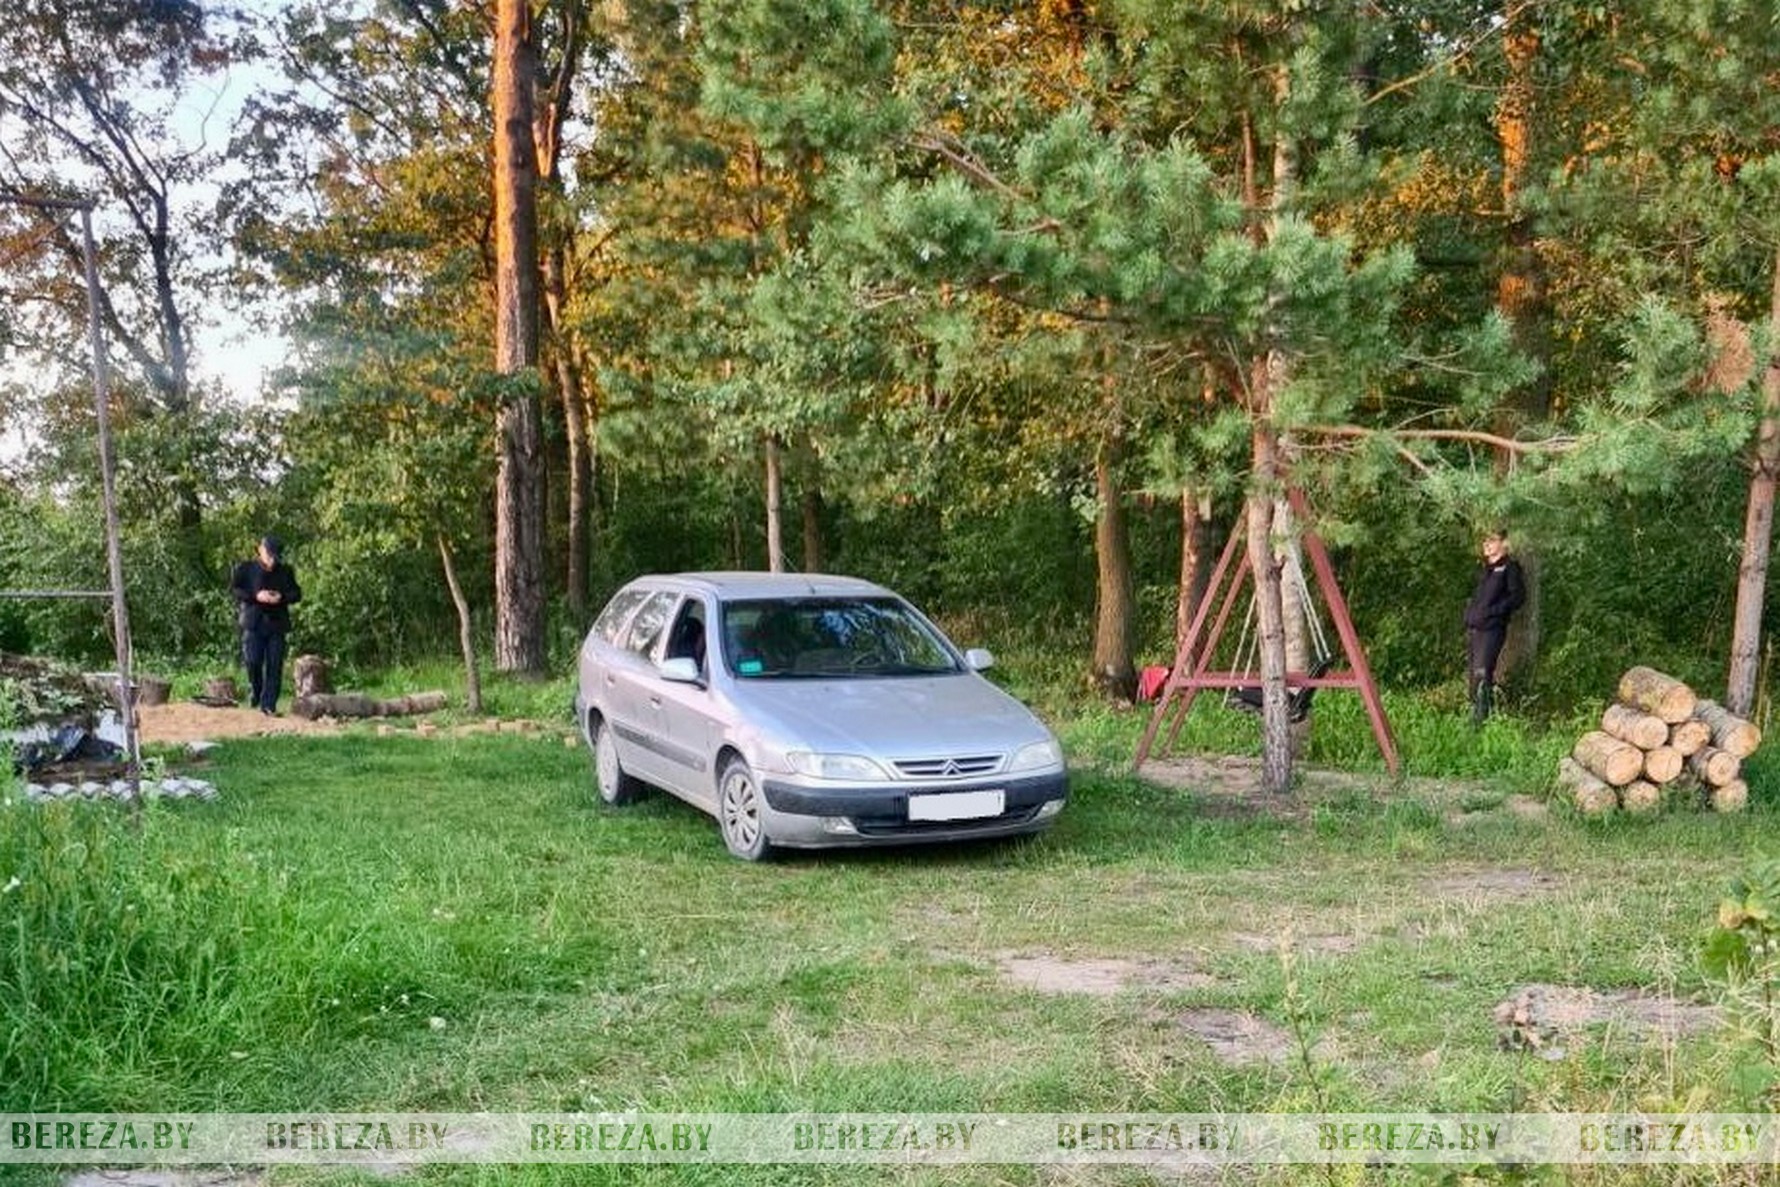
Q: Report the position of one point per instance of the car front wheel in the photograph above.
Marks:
(739, 812)
(616, 787)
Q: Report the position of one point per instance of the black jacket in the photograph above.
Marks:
(249, 579)
(1499, 593)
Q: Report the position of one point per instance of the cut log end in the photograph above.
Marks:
(1644, 730)
(1690, 736)
(1590, 795)
(1653, 692)
(1641, 798)
(1727, 731)
(1715, 767)
(1663, 764)
(1731, 797)
(1608, 759)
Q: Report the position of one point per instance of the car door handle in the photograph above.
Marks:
(611, 680)
(655, 702)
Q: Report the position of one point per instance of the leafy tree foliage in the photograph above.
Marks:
(991, 289)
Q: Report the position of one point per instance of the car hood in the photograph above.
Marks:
(899, 718)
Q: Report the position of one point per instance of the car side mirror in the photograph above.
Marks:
(679, 670)
(979, 659)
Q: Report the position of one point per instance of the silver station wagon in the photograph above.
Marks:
(808, 711)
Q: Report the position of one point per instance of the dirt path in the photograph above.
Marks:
(189, 722)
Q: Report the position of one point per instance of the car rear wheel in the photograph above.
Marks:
(615, 786)
(739, 812)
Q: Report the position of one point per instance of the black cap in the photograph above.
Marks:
(273, 545)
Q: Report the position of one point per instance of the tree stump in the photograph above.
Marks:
(1650, 690)
(310, 676)
(1608, 759)
(223, 688)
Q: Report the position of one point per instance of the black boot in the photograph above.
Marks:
(1481, 702)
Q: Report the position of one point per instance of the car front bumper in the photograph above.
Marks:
(804, 815)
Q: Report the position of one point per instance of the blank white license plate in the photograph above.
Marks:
(959, 805)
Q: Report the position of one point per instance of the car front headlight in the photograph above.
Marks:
(1037, 756)
(853, 767)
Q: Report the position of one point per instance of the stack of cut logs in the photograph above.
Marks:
(1659, 743)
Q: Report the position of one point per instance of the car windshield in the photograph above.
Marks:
(831, 639)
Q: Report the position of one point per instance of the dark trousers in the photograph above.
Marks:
(263, 653)
(1484, 645)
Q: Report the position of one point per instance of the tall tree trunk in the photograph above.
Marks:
(1115, 674)
(466, 638)
(775, 505)
(580, 460)
(1276, 739)
(1267, 377)
(1520, 289)
(1195, 557)
(557, 230)
(812, 521)
(519, 492)
(1758, 529)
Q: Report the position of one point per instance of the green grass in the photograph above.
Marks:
(456, 925)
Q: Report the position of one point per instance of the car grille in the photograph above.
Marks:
(949, 768)
(886, 826)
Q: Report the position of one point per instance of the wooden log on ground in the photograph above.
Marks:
(1644, 730)
(1729, 732)
(1730, 797)
(1714, 767)
(1663, 764)
(334, 704)
(412, 704)
(222, 688)
(1591, 796)
(1641, 797)
(1690, 736)
(1650, 690)
(1608, 759)
(351, 704)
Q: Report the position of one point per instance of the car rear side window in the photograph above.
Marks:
(617, 612)
(646, 626)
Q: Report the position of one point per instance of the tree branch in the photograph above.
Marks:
(1511, 445)
(1493, 27)
(961, 159)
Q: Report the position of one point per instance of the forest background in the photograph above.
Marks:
(1020, 308)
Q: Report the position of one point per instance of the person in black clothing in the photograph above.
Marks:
(1499, 593)
(265, 589)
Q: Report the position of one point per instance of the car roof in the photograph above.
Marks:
(737, 585)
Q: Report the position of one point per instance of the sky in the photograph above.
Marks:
(229, 353)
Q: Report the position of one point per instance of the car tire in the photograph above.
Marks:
(616, 787)
(740, 810)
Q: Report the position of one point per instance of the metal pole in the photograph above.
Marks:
(120, 613)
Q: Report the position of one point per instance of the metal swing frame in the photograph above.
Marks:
(1192, 670)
